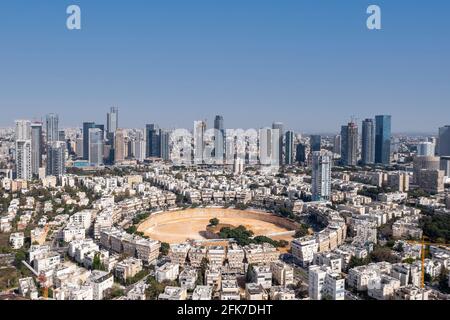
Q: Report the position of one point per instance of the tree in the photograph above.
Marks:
(116, 292)
(283, 243)
(164, 250)
(436, 227)
(131, 229)
(285, 212)
(381, 254)
(97, 263)
(249, 275)
(399, 247)
(155, 288)
(443, 281)
(409, 260)
(20, 256)
(214, 222)
(302, 231)
(203, 267)
(356, 262)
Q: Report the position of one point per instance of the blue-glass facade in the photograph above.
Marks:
(383, 139)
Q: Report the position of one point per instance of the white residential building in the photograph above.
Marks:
(74, 232)
(168, 271)
(173, 293)
(325, 284)
(16, 240)
(100, 282)
(229, 289)
(304, 249)
(262, 275)
(282, 273)
(188, 278)
(202, 293)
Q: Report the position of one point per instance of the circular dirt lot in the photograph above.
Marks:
(179, 226)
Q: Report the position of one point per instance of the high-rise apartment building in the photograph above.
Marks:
(349, 144)
(199, 141)
(52, 127)
(119, 146)
(112, 120)
(337, 144)
(277, 127)
(165, 145)
(321, 176)
(37, 146)
(219, 139)
(95, 146)
(23, 150)
(139, 146)
(56, 153)
(368, 142)
(289, 153)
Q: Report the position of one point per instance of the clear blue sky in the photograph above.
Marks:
(308, 63)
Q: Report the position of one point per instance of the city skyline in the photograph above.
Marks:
(177, 66)
(211, 124)
(225, 150)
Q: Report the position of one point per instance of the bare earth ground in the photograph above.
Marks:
(179, 226)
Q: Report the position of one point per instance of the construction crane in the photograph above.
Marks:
(423, 244)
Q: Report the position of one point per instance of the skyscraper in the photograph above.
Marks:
(321, 176)
(277, 127)
(112, 120)
(289, 156)
(424, 163)
(52, 123)
(61, 135)
(119, 146)
(139, 146)
(199, 141)
(23, 149)
(95, 145)
(23, 130)
(165, 145)
(152, 134)
(444, 141)
(56, 153)
(368, 142)
(337, 144)
(316, 143)
(219, 139)
(300, 156)
(426, 149)
(86, 127)
(37, 144)
(268, 147)
(383, 139)
(349, 144)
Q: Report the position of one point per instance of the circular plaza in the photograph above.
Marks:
(190, 224)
